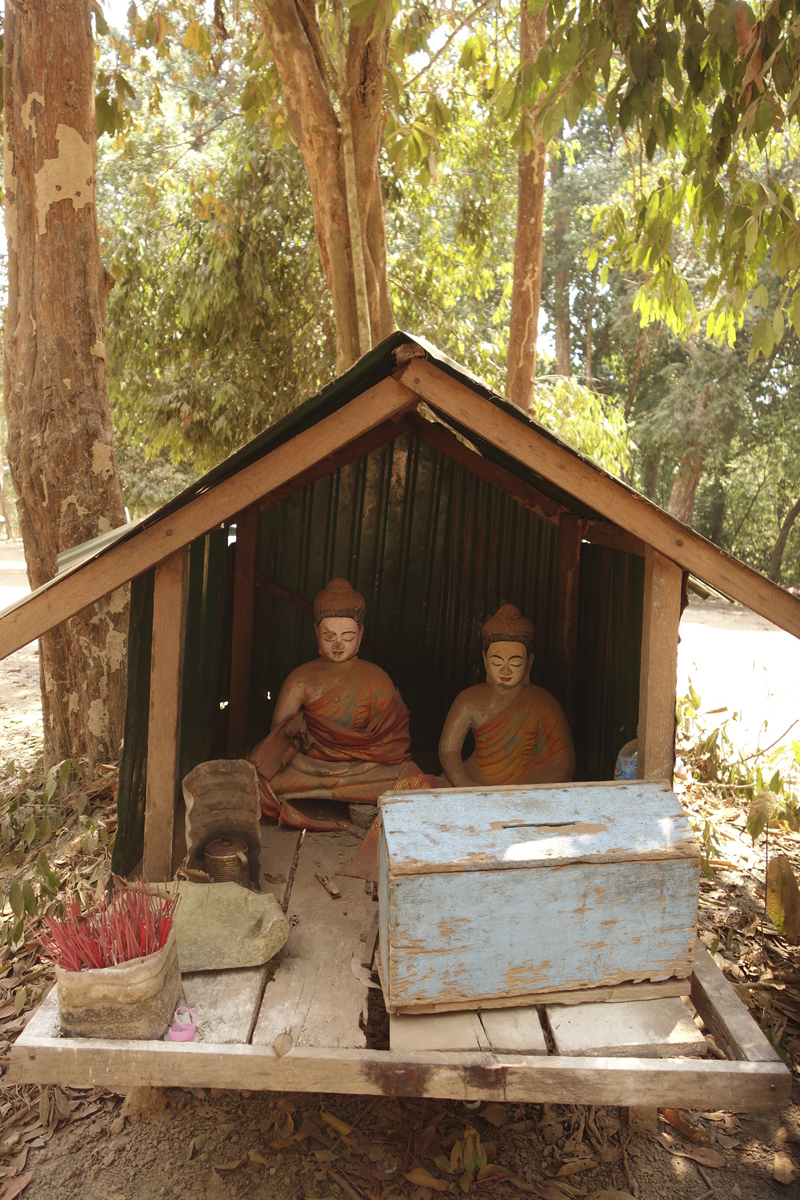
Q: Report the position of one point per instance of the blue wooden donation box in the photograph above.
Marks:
(509, 896)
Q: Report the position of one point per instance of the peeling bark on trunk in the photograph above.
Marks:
(527, 287)
(776, 559)
(315, 94)
(684, 485)
(561, 307)
(55, 381)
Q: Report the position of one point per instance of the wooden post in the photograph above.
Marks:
(659, 668)
(244, 587)
(164, 729)
(570, 532)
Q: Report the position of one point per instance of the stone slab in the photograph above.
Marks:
(223, 925)
(642, 1028)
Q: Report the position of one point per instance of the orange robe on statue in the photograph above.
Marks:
(352, 744)
(531, 732)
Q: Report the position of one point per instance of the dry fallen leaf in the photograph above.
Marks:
(340, 1127)
(699, 1154)
(783, 1169)
(495, 1114)
(13, 1187)
(230, 1166)
(690, 1129)
(255, 1157)
(424, 1179)
(282, 1044)
(574, 1167)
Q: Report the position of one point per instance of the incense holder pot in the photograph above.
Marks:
(133, 1000)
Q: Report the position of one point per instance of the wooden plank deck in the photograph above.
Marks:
(314, 995)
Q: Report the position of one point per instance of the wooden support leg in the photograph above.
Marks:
(570, 532)
(244, 584)
(659, 668)
(164, 729)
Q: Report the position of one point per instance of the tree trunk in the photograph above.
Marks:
(561, 306)
(527, 287)
(5, 523)
(776, 560)
(55, 381)
(684, 485)
(322, 102)
(589, 377)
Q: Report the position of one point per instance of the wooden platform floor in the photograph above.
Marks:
(297, 1024)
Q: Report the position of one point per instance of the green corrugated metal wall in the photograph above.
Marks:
(434, 550)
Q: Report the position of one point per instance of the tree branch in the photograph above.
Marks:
(456, 31)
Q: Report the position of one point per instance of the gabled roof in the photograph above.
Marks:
(366, 403)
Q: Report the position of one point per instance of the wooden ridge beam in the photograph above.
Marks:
(67, 594)
(577, 477)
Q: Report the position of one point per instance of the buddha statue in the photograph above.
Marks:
(340, 727)
(521, 732)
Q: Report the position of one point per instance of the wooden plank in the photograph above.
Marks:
(279, 846)
(225, 1003)
(73, 590)
(164, 727)
(568, 565)
(614, 500)
(244, 594)
(448, 1031)
(514, 1031)
(679, 1083)
(724, 1015)
(314, 995)
(644, 1028)
(613, 994)
(603, 533)
(439, 438)
(658, 674)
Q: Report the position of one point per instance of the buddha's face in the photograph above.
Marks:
(338, 638)
(507, 664)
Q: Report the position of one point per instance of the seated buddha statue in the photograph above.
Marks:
(340, 727)
(521, 732)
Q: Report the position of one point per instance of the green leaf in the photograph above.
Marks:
(760, 297)
(762, 809)
(99, 19)
(66, 771)
(29, 832)
(778, 325)
(16, 900)
(29, 898)
(20, 999)
(12, 859)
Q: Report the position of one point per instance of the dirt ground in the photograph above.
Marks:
(80, 1144)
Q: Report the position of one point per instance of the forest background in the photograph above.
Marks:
(669, 244)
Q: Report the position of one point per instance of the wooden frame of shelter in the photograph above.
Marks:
(406, 387)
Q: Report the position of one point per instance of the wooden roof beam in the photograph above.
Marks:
(447, 443)
(73, 590)
(576, 476)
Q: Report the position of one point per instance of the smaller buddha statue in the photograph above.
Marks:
(521, 732)
(340, 727)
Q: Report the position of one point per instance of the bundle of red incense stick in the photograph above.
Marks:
(111, 931)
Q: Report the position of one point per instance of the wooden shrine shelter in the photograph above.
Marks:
(438, 500)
